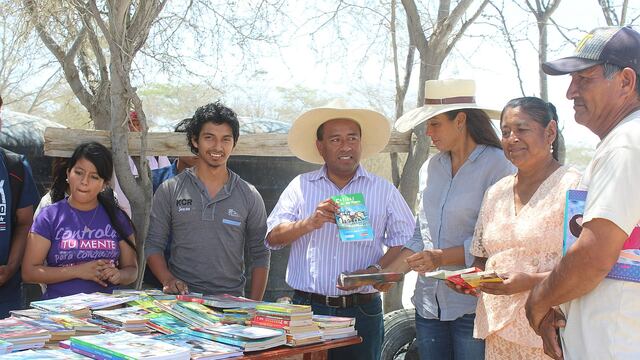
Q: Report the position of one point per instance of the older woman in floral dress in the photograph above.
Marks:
(519, 229)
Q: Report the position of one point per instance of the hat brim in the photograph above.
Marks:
(375, 128)
(419, 115)
(568, 65)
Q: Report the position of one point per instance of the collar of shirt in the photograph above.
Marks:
(224, 193)
(445, 159)
(321, 174)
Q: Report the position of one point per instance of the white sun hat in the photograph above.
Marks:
(441, 96)
(375, 130)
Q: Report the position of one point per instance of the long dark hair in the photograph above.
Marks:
(59, 185)
(101, 158)
(479, 127)
(540, 111)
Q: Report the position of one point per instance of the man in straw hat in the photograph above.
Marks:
(602, 314)
(305, 217)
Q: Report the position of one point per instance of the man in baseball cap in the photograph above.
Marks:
(599, 311)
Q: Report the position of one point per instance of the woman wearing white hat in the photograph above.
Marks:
(453, 183)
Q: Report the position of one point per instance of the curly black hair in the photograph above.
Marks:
(216, 113)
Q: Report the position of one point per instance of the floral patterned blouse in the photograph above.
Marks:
(529, 241)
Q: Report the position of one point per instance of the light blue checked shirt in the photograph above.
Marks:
(317, 258)
(447, 218)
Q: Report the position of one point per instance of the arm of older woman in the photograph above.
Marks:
(128, 271)
(514, 282)
(34, 270)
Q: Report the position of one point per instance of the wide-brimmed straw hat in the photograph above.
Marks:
(375, 130)
(441, 96)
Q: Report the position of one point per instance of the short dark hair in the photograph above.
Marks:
(479, 126)
(216, 113)
(320, 129)
(540, 111)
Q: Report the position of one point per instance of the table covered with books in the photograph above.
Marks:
(151, 325)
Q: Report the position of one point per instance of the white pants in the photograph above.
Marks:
(604, 324)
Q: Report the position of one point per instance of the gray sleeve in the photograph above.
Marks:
(256, 230)
(415, 244)
(159, 222)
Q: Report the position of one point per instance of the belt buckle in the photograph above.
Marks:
(327, 302)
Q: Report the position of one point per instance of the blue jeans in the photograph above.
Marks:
(448, 340)
(368, 324)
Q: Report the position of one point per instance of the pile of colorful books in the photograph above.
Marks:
(131, 319)
(335, 327)
(248, 338)
(295, 320)
(21, 335)
(201, 349)
(125, 345)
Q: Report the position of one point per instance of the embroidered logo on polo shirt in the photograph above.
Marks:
(232, 212)
(184, 204)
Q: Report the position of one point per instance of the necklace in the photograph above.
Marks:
(87, 227)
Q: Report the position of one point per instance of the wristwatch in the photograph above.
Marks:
(377, 266)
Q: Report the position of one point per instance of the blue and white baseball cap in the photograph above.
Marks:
(614, 45)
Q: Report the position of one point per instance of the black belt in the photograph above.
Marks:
(343, 301)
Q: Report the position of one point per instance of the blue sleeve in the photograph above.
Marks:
(29, 195)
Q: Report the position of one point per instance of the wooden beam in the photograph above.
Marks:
(61, 142)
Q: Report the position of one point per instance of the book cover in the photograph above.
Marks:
(59, 354)
(284, 308)
(349, 280)
(201, 348)
(326, 321)
(122, 316)
(12, 328)
(477, 278)
(446, 274)
(245, 332)
(126, 345)
(352, 218)
(628, 265)
(227, 301)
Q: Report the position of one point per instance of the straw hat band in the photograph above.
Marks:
(451, 100)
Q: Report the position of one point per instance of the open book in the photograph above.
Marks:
(467, 278)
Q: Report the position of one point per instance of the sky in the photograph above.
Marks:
(487, 61)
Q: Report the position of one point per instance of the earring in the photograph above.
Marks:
(67, 180)
(551, 148)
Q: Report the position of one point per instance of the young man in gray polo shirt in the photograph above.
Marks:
(212, 216)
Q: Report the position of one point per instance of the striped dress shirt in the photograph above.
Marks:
(317, 258)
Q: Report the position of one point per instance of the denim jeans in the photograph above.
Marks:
(448, 340)
(368, 324)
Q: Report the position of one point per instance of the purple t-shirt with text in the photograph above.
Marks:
(76, 237)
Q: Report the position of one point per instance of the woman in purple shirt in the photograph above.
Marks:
(83, 243)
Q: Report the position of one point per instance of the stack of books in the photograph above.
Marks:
(80, 326)
(230, 309)
(58, 332)
(131, 319)
(295, 320)
(21, 335)
(335, 327)
(201, 349)
(248, 338)
(80, 305)
(125, 345)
